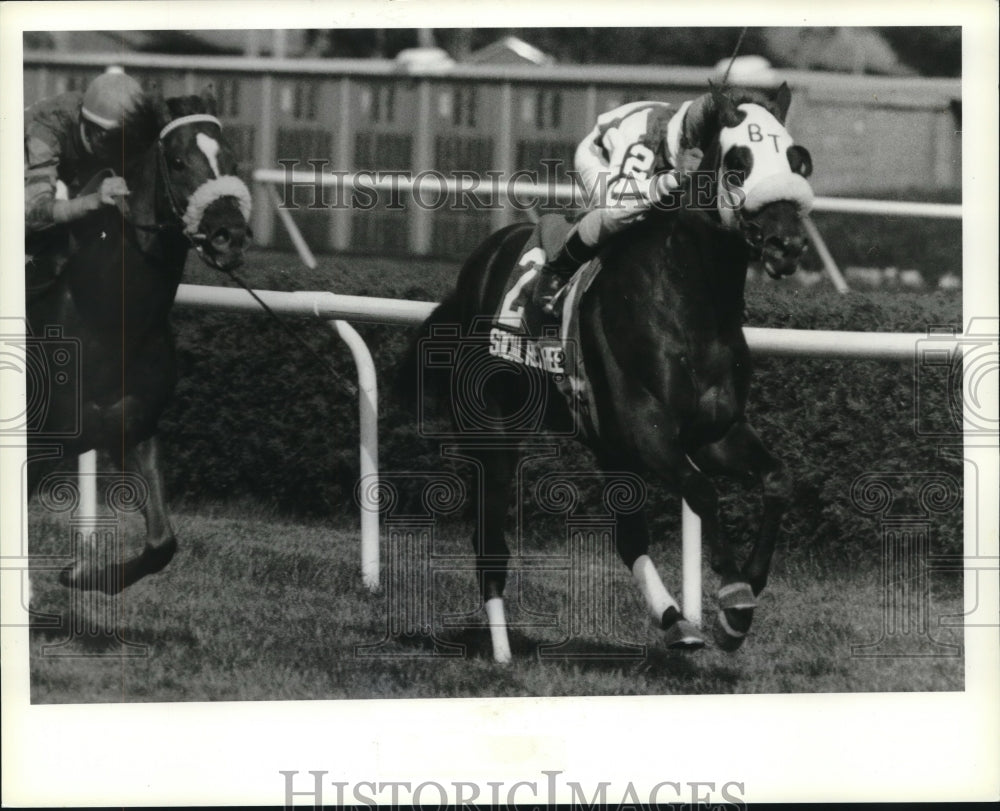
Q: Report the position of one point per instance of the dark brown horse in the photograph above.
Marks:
(662, 342)
(108, 308)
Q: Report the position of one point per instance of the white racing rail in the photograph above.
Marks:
(338, 309)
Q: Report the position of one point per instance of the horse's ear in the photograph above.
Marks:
(725, 110)
(782, 101)
(208, 99)
(160, 108)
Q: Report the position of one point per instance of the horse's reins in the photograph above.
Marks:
(337, 376)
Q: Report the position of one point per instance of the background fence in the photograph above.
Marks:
(368, 115)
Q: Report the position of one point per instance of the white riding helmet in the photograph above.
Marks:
(109, 98)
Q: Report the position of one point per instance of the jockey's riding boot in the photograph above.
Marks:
(557, 272)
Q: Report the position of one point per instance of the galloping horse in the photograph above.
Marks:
(111, 300)
(661, 340)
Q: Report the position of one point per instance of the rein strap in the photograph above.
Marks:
(338, 378)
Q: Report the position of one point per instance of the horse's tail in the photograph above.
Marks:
(424, 373)
(415, 379)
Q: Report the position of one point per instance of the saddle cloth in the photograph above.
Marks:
(521, 333)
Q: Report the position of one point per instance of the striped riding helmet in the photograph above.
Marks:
(108, 98)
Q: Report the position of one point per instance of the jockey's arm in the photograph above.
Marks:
(42, 207)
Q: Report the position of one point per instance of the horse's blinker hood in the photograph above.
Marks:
(769, 177)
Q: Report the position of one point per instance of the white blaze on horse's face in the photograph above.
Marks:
(210, 147)
(770, 176)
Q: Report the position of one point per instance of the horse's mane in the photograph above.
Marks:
(188, 105)
(745, 95)
(140, 128)
(142, 124)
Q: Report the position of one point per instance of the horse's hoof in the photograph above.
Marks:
(156, 558)
(679, 633)
(738, 596)
(683, 635)
(730, 630)
(82, 578)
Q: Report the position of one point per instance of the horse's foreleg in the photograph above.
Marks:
(736, 597)
(742, 454)
(161, 543)
(632, 540)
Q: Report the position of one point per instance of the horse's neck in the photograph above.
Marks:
(702, 266)
(165, 249)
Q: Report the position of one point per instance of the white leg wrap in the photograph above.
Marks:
(498, 629)
(657, 597)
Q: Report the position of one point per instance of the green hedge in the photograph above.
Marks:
(257, 420)
(931, 245)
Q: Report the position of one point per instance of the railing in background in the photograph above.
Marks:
(378, 115)
(518, 190)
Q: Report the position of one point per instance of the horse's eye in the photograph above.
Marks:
(800, 160)
(738, 163)
(177, 163)
(735, 177)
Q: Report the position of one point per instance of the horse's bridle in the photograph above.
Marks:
(196, 118)
(194, 239)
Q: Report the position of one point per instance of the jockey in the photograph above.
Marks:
(621, 166)
(67, 139)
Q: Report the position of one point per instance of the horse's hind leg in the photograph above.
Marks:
(497, 467)
(742, 454)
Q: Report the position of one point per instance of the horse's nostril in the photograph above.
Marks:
(785, 246)
(221, 238)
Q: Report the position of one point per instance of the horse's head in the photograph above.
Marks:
(762, 189)
(197, 169)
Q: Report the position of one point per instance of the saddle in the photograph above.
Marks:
(521, 333)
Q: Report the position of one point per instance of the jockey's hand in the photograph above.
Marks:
(688, 161)
(111, 189)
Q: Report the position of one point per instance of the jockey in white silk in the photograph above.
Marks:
(644, 152)
(631, 158)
